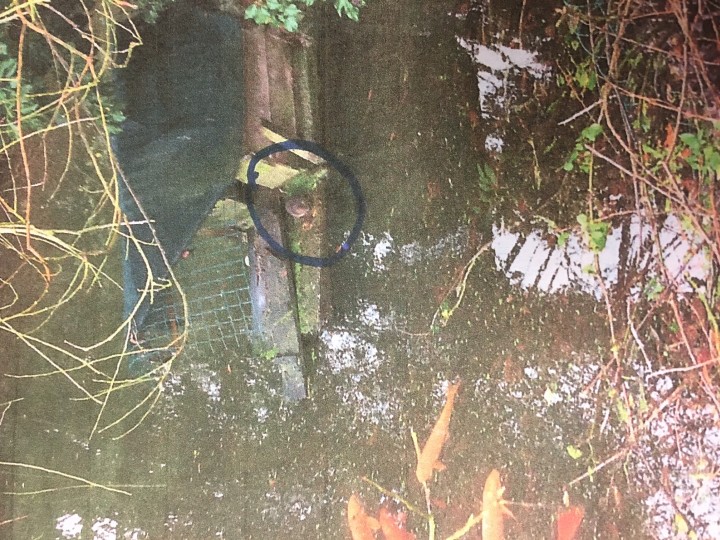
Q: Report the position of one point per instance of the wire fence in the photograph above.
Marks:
(214, 276)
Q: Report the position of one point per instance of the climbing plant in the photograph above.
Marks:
(288, 14)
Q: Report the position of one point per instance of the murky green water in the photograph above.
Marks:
(221, 455)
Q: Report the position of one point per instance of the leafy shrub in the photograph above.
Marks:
(286, 13)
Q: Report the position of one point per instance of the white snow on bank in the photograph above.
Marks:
(381, 248)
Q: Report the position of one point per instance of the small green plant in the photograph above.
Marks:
(286, 13)
(642, 121)
(653, 289)
(701, 151)
(585, 75)
(149, 10)
(269, 354)
(698, 150)
(580, 156)
(595, 232)
(8, 97)
(574, 452)
(487, 182)
(445, 311)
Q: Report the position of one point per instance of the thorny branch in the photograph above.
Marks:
(51, 256)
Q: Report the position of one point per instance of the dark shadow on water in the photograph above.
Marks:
(180, 143)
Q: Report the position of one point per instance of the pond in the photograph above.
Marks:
(441, 111)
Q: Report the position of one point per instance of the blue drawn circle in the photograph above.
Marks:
(279, 249)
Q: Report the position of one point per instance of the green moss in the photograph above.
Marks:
(304, 182)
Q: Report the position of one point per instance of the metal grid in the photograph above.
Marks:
(214, 276)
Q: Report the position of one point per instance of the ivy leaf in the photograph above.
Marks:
(598, 233)
(251, 11)
(562, 239)
(712, 159)
(291, 24)
(591, 132)
(569, 164)
(691, 140)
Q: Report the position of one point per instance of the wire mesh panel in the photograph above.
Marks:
(214, 276)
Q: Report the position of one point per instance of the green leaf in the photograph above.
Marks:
(586, 77)
(622, 411)
(291, 24)
(486, 177)
(562, 239)
(653, 289)
(681, 525)
(593, 81)
(291, 10)
(345, 7)
(597, 233)
(654, 152)
(712, 159)
(691, 140)
(574, 452)
(591, 132)
(251, 11)
(569, 164)
(445, 311)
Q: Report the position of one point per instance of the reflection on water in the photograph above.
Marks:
(692, 478)
(386, 253)
(498, 67)
(532, 261)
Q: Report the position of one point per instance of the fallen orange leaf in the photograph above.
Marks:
(362, 526)
(670, 136)
(392, 527)
(568, 522)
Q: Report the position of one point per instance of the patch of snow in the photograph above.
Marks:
(381, 250)
(349, 351)
(493, 143)
(207, 380)
(104, 529)
(450, 245)
(69, 525)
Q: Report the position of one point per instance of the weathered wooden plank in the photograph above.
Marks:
(257, 90)
(280, 79)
